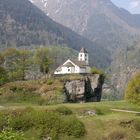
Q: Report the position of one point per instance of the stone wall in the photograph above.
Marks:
(88, 89)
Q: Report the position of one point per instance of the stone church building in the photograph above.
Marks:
(81, 65)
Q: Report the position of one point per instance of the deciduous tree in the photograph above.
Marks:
(42, 60)
(133, 90)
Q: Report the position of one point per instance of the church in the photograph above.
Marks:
(79, 66)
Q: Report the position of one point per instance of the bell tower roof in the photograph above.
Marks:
(83, 50)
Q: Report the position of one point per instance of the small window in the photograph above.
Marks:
(85, 59)
(85, 55)
(68, 69)
(81, 55)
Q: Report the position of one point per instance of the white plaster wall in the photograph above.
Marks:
(82, 70)
(76, 69)
(88, 70)
(65, 70)
(83, 57)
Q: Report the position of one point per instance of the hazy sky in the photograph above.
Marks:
(131, 5)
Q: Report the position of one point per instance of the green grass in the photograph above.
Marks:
(106, 125)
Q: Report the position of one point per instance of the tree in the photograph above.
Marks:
(41, 59)
(11, 57)
(3, 72)
(1, 59)
(24, 62)
(17, 62)
(3, 76)
(132, 93)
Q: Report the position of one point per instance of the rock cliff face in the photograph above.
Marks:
(88, 89)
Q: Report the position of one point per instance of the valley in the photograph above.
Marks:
(69, 70)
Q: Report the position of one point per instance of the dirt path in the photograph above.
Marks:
(126, 111)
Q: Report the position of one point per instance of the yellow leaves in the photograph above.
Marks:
(132, 93)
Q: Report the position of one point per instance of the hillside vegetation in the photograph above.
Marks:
(23, 24)
(100, 21)
(125, 64)
(133, 90)
(91, 121)
(40, 92)
(112, 27)
(23, 64)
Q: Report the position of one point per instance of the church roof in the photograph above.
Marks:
(79, 63)
(83, 50)
(59, 68)
(69, 64)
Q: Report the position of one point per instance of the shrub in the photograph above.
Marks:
(132, 93)
(73, 127)
(21, 121)
(94, 70)
(51, 124)
(49, 82)
(22, 95)
(3, 121)
(55, 124)
(117, 134)
(3, 76)
(99, 111)
(9, 134)
(126, 123)
(64, 110)
(137, 124)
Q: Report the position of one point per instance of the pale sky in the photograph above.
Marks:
(131, 5)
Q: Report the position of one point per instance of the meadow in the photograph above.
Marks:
(96, 121)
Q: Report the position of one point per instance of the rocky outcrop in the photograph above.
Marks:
(87, 89)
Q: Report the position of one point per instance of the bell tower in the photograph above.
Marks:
(83, 56)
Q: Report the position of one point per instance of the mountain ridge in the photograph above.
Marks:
(23, 24)
(98, 20)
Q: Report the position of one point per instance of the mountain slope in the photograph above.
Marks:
(23, 24)
(102, 22)
(98, 20)
(125, 66)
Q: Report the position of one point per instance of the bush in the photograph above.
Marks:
(58, 125)
(51, 124)
(3, 76)
(3, 121)
(64, 110)
(132, 93)
(49, 82)
(22, 95)
(9, 134)
(99, 111)
(21, 121)
(137, 124)
(73, 127)
(117, 134)
(126, 123)
(94, 70)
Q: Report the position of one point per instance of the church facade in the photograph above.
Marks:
(81, 65)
